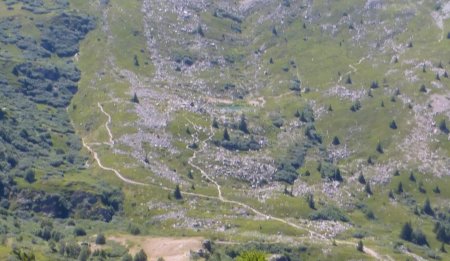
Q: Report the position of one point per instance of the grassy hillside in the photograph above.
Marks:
(294, 128)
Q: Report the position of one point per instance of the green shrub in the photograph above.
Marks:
(140, 256)
(100, 239)
(329, 213)
(251, 256)
(78, 231)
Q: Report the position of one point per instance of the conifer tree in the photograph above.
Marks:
(177, 192)
(336, 141)
(135, 99)
(361, 179)
(226, 135)
(360, 246)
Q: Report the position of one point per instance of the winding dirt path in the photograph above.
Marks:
(111, 140)
(220, 197)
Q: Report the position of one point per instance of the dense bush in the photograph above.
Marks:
(307, 114)
(65, 32)
(288, 166)
(140, 256)
(100, 239)
(295, 85)
(238, 143)
(416, 236)
(329, 171)
(78, 231)
(312, 134)
(10, 30)
(133, 229)
(48, 84)
(329, 213)
(225, 14)
(442, 227)
(284, 251)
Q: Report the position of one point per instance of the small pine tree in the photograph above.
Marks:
(442, 249)
(189, 174)
(407, 232)
(374, 85)
(337, 175)
(412, 177)
(303, 118)
(369, 93)
(443, 127)
(438, 78)
(422, 188)
(437, 190)
(368, 189)
(424, 68)
(396, 173)
(410, 45)
(330, 108)
(445, 74)
(349, 80)
(215, 124)
(391, 194)
(140, 256)
(177, 192)
(336, 141)
(135, 99)
(311, 202)
(297, 114)
(243, 124)
(370, 161)
(393, 125)
(274, 31)
(423, 88)
(420, 238)
(361, 179)
(380, 148)
(382, 103)
(226, 135)
(136, 61)
(200, 30)
(400, 188)
(427, 209)
(360, 246)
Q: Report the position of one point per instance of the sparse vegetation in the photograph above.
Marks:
(104, 109)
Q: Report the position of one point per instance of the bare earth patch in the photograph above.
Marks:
(169, 248)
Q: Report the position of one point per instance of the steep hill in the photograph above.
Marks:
(296, 128)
